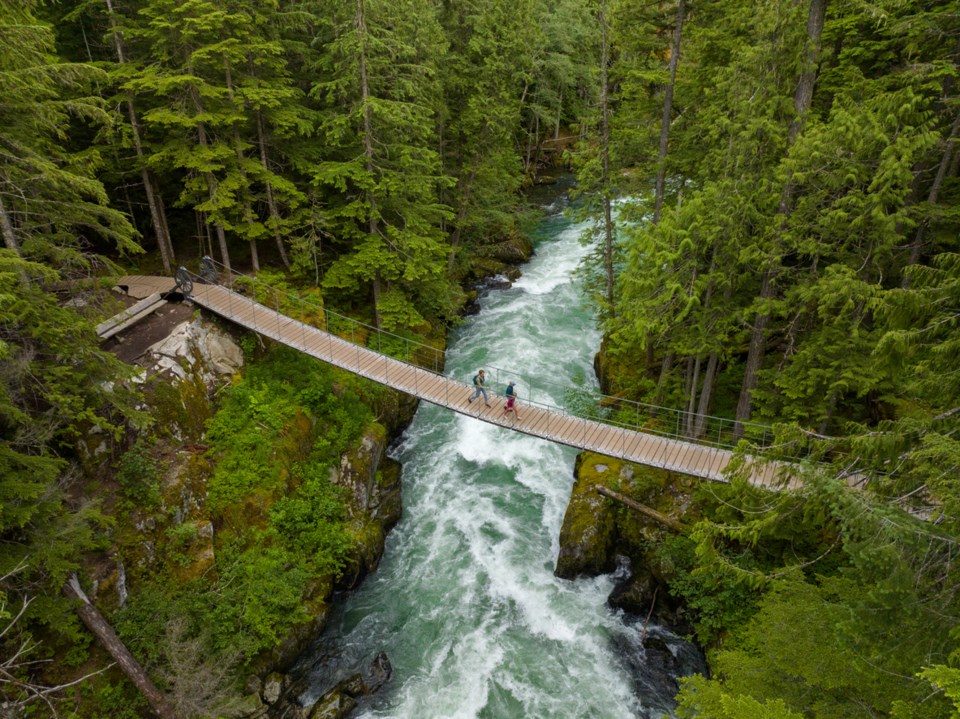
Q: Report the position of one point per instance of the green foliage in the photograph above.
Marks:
(829, 559)
(138, 472)
(52, 204)
(311, 522)
(380, 97)
(108, 700)
(421, 121)
(273, 440)
(243, 434)
(843, 663)
(56, 385)
(261, 597)
(701, 699)
(943, 678)
(719, 605)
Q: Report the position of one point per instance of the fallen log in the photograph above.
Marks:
(104, 633)
(642, 508)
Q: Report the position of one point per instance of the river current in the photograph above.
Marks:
(465, 603)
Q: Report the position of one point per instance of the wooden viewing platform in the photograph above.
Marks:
(551, 424)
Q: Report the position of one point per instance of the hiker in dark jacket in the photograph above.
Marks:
(479, 387)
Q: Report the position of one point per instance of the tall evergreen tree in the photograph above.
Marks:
(189, 46)
(51, 206)
(485, 79)
(378, 91)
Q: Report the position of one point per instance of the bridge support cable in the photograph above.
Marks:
(539, 416)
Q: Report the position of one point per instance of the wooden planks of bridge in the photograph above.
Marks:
(551, 424)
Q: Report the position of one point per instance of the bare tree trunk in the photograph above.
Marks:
(667, 113)
(688, 382)
(6, 227)
(162, 215)
(212, 190)
(248, 215)
(642, 508)
(556, 128)
(692, 397)
(373, 224)
(706, 395)
(164, 244)
(934, 193)
(754, 356)
(104, 633)
(533, 145)
(271, 200)
(803, 96)
(664, 373)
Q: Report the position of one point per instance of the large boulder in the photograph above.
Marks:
(600, 534)
(589, 532)
(195, 347)
(358, 469)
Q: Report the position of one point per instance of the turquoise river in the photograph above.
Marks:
(465, 603)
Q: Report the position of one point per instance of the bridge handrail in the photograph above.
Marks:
(648, 418)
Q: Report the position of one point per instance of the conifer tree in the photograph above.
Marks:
(561, 82)
(154, 199)
(379, 126)
(51, 206)
(191, 110)
(488, 71)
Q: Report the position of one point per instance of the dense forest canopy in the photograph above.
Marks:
(770, 196)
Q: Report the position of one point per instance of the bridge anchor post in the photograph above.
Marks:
(184, 281)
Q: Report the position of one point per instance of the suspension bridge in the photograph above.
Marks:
(635, 432)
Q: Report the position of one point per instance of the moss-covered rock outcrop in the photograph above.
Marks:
(599, 533)
(589, 532)
(241, 510)
(501, 257)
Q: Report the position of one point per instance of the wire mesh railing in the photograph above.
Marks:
(565, 399)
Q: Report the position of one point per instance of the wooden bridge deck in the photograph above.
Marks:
(647, 449)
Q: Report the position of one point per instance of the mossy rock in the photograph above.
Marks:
(589, 532)
(283, 656)
(180, 408)
(513, 250)
(358, 469)
(183, 486)
(299, 637)
(481, 267)
(602, 367)
(389, 507)
(190, 552)
(333, 705)
(369, 538)
(596, 529)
